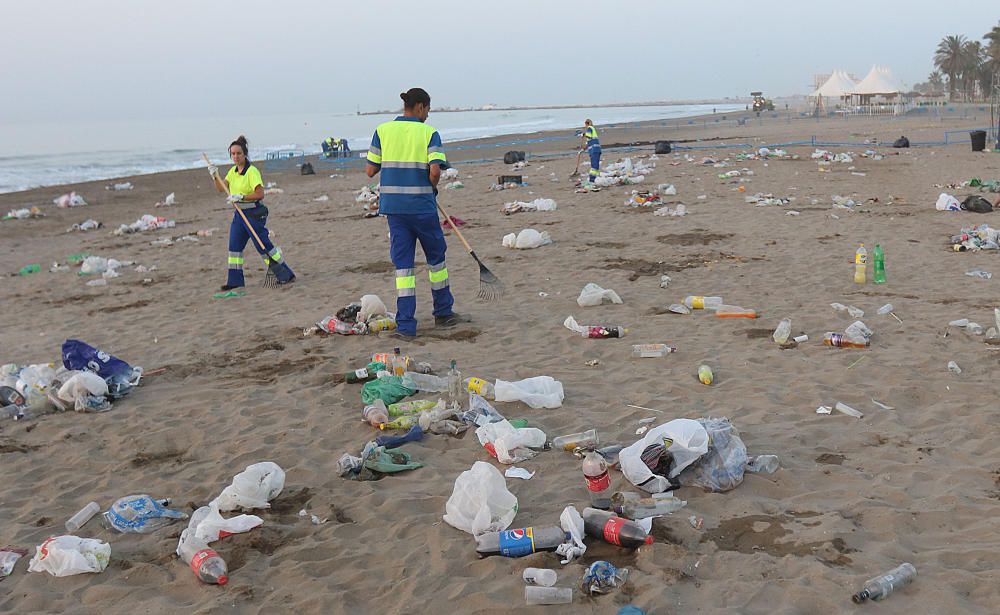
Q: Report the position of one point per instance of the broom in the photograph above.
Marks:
(271, 279)
(490, 286)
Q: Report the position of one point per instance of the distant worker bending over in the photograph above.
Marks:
(593, 146)
(408, 153)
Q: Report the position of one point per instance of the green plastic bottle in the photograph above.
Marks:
(879, 265)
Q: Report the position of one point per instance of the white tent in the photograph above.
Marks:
(838, 85)
(878, 81)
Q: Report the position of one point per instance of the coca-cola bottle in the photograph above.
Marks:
(614, 529)
(595, 471)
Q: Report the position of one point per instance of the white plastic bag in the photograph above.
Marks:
(688, 441)
(94, 264)
(252, 488)
(480, 501)
(511, 444)
(537, 392)
(208, 525)
(946, 202)
(592, 294)
(544, 205)
(371, 306)
(62, 556)
(526, 239)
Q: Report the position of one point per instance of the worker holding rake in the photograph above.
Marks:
(245, 188)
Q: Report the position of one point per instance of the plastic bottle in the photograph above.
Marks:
(534, 595)
(385, 358)
(424, 382)
(595, 472)
(402, 422)
(860, 263)
(763, 464)
(697, 302)
(734, 311)
(839, 340)
(642, 351)
(604, 331)
(782, 332)
(398, 363)
(521, 542)
(614, 529)
(585, 439)
(878, 265)
(481, 387)
(880, 587)
(455, 392)
(207, 565)
(705, 375)
(415, 406)
(382, 324)
(13, 411)
(81, 517)
(544, 577)
(376, 414)
(634, 506)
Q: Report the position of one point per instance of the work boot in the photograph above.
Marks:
(226, 287)
(450, 320)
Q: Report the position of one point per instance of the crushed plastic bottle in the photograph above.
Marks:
(783, 331)
(954, 368)
(763, 464)
(698, 302)
(81, 518)
(140, 514)
(642, 351)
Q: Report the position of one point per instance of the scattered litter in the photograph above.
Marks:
(527, 239)
(592, 295)
(121, 186)
(321, 199)
(62, 556)
(696, 522)
(518, 473)
(849, 411)
(664, 281)
(24, 214)
(169, 201)
(536, 205)
(881, 405)
(313, 518)
(824, 410)
(601, 577)
(455, 185)
(680, 210)
(8, 558)
(954, 368)
(979, 273)
(145, 223)
(86, 225)
(70, 199)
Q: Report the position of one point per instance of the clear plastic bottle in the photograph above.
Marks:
(376, 414)
(595, 472)
(880, 587)
(705, 375)
(585, 439)
(860, 264)
(398, 363)
(642, 351)
(697, 302)
(614, 529)
(783, 331)
(206, 564)
(634, 506)
(838, 340)
(483, 388)
(521, 542)
(455, 392)
(82, 517)
(424, 382)
(534, 595)
(763, 464)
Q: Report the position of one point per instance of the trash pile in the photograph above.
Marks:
(761, 200)
(644, 198)
(87, 225)
(143, 224)
(624, 172)
(70, 199)
(990, 185)
(766, 153)
(368, 196)
(536, 205)
(369, 315)
(975, 238)
(24, 214)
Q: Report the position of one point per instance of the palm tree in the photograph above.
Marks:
(992, 39)
(949, 59)
(936, 82)
(973, 59)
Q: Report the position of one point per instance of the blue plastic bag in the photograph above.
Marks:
(79, 355)
(140, 514)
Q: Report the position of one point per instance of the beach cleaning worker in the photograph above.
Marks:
(246, 190)
(408, 154)
(593, 146)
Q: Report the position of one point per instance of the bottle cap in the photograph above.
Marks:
(649, 539)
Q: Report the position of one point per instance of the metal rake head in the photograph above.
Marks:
(490, 287)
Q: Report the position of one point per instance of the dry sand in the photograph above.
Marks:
(854, 498)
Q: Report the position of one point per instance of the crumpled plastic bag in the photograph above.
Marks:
(77, 355)
(145, 223)
(63, 556)
(480, 501)
(592, 295)
(527, 239)
(389, 389)
(480, 411)
(8, 558)
(572, 523)
(252, 488)
(70, 199)
(537, 392)
(685, 439)
(510, 444)
(721, 467)
(946, 202)
(371, 306)
(82, 388)
(209, 525)
(602, 577)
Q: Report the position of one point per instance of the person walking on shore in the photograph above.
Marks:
(408, 154)
(245, 187)
(593, 147)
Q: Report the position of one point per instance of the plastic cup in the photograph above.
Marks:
(544, 577)
(548, 595)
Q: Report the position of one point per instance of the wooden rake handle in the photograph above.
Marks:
(454, 227)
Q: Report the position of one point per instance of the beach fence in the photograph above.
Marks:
(283, 160)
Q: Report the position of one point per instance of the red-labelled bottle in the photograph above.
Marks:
(614, 529)
(206, 564)
(595, 472)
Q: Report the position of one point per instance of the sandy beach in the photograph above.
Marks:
(241, 383)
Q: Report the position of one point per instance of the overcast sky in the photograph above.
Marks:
(98, 59)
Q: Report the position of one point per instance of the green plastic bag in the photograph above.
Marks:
(389, 389)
